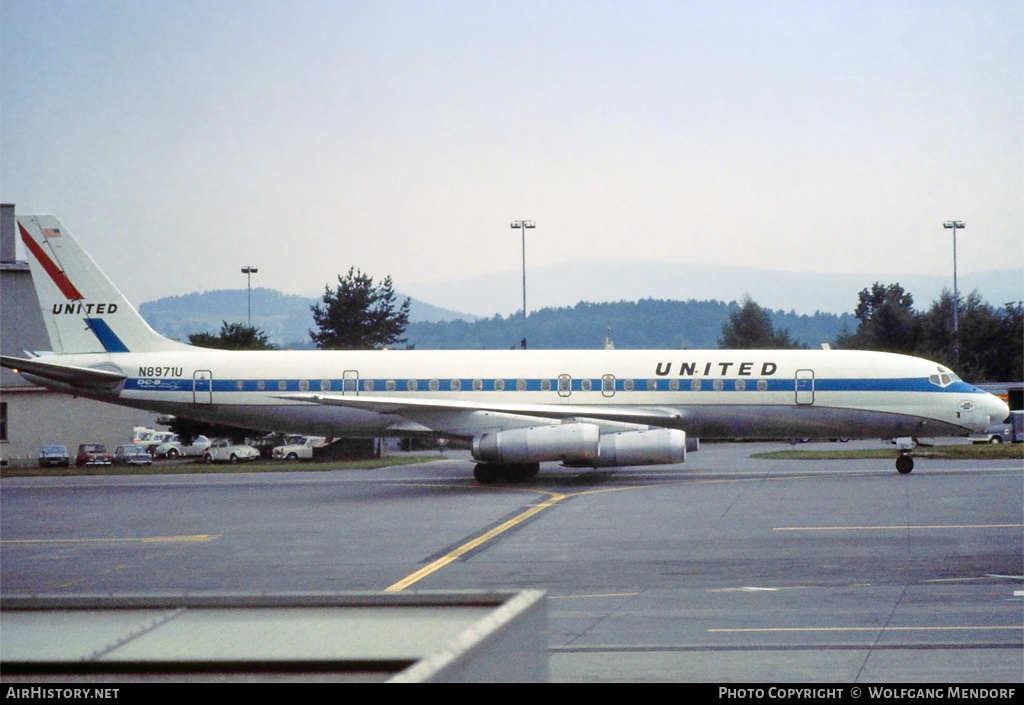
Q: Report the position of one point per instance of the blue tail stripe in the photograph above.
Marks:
(108, 338)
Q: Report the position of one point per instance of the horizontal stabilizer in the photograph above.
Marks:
(84, 378)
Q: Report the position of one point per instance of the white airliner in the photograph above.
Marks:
(585, 408)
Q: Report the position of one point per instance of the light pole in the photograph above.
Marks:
(954, 224)
(523, 225)
(248, 272)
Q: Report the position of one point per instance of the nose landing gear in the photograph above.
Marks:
(905, 462)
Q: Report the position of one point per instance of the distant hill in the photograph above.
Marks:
(644, 324)
(648, 323)
(646, 304)
(285, 318)
(551, 286)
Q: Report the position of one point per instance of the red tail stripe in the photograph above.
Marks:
(58, 277)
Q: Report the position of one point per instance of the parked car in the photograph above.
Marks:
(150, 441)
(174, 448)
(266, 444)
(132, 454)
(225, 451)
(300, 450)
(54, 456)
(142, 433)
(93, 454)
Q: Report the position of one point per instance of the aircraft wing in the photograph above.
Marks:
(424, 410)
(84, 378)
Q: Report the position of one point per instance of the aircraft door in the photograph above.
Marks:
(608, 385)
(350, 382)
(202, 387)
(805, 387)
(564, 385)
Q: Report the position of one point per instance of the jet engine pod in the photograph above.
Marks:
(660, 446)
(570, 443)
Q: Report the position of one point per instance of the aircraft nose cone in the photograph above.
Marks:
(987, 411)
(997, 410)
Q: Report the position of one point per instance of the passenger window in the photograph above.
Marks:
(545, 385)
(239, 385)
(389, 385)
(741, 384)
(261, 385)
(585, 385)
(368, 385)
(456, 385)
(695, 385)
(717, 385)
(627, 385)
(350, 385)
(478, 384)
(325, 385)
(673, 385)
(521, 385)
(499, 385)
(652, 385)
(762, 385)
(411, 385)
(303, 385)
(282, 385)
(434, 385)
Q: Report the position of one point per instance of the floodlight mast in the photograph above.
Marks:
(953, 225)
(248, 272)
(522, 225)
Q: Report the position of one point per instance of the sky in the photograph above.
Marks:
(182, 140)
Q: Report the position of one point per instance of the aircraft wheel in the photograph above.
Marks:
(485, 473)
(904, 464)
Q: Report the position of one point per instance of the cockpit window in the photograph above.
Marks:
(943, 379)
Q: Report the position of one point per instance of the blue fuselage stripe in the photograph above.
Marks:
(399, 386)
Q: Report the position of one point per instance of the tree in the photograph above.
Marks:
(358, 315)
(887, 321)
(233, 336)
(1012, 317)
(989, 339)
(750, 328)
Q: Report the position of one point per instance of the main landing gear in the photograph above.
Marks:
(486, 473)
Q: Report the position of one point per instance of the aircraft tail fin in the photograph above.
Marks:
(83, 310)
